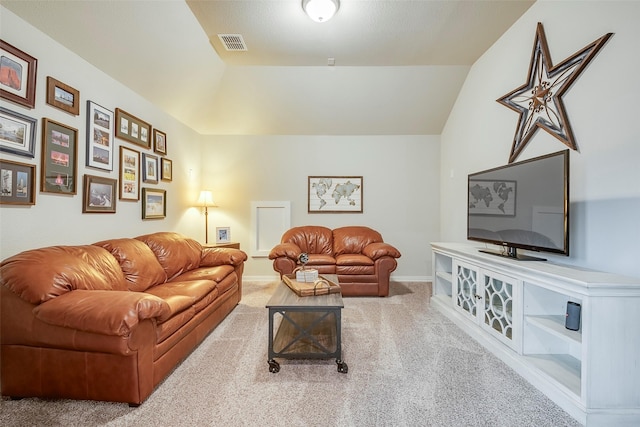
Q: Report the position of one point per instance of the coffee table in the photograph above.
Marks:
(305, 327)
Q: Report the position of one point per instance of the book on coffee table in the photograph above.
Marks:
(321, 286)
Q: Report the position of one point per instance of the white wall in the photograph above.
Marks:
(400, 183)
(400, 174)
(603, 110)
(58, 219)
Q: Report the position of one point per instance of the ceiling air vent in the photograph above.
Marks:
(233, 42)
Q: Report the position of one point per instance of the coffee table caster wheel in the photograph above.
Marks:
(342, 367)
(274, 367)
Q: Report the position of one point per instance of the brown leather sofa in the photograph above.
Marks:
(110, 321)
(357, 254)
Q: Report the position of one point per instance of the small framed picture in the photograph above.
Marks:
(63, 96)
(154, 203)
(149, 168)
(132, 129)
(99, 195)
(17, 133)
(17, 183)
(223, 234)
(99, 137)
(18, 71)
(59, 158)
(129, 174)
(159, 142)
(167, 169)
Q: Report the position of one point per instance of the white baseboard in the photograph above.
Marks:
(411, 278)
(261, 279)
(269, 279)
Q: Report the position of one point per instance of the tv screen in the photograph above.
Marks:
(522, 205)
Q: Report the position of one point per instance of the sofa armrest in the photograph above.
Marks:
(212, 257)
(379, 250)
(288, 250)
(103, 312)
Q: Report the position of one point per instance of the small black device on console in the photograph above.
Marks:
(572, 321)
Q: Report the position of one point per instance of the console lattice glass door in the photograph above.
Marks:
(498, 306)
(467, 289)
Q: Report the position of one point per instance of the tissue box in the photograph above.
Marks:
(307, 275)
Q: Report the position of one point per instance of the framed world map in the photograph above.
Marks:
(335, 194)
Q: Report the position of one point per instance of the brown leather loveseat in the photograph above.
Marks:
(110, 321)
(357, 254)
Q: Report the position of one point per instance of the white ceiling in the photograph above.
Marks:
(399, 64)
(362, 33)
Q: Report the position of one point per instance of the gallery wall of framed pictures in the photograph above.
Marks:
(121, 150)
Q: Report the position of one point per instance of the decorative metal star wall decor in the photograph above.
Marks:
(539, 100)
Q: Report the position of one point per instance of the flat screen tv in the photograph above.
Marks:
(523, 205)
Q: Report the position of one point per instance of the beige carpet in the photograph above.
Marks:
(408, 366)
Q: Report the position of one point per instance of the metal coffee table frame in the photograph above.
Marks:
(310, 327)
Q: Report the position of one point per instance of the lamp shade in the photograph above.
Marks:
(205, 199)
(320, 10)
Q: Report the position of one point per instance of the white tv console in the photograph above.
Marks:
(516, 309)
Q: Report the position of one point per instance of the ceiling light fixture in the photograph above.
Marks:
(320, 10)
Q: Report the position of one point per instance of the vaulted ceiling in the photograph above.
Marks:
(399, 64)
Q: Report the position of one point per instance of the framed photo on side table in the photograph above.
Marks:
(335, 194)
(17, 75)
(17, 183)
(63, 96)
(154, 203)
(132, 129)
(59, 158)
(17, 133)
(223, 234)
(129, 174)
(99, 195)
(159, 142)
(99, 137)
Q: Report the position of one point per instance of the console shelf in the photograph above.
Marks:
(517, 310)
(562, 368)
(555, 325)
(445, 276)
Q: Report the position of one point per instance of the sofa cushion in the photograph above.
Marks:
(166, 329)
(320, 260)
(175, 252)
(39, 275)
(353, 259)
(310, 239)
(182, 298)
(212, 273)
(102, 262)
(182, 295)
(206, 301)
(138, 263)
(353, 239)
(355, 271)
